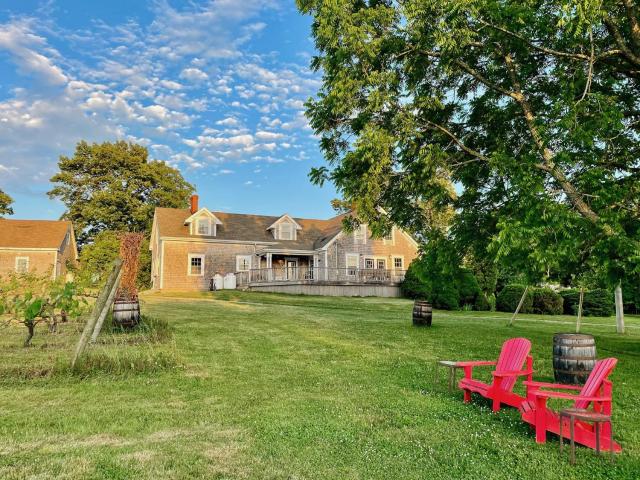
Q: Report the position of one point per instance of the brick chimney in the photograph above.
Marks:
(194, 204)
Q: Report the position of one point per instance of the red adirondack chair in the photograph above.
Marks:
(596, 392)
(515, 352)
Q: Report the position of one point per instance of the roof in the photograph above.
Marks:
(30, 234)
(252, 228)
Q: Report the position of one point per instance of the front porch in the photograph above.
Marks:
(299, 273)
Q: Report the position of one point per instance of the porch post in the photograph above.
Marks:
(269, 270)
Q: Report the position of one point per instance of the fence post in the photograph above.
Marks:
(524, 295)
(619, 309)
(105, 309)
(97, 310)
(579, 320)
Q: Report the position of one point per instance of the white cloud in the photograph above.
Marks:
(194, 75)
(264, 135)
(23, 45)
(228, 122)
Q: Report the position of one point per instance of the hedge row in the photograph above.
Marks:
(544, 301)
(596, 303)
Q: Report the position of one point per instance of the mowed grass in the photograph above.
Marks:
(276, 386)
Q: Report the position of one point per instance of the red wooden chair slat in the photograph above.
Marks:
(514, 354)
(596, 392)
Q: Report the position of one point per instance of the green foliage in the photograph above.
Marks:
(5, 204)
(571, 299)
(438, 278)
(596, 303)
(500, 98)
(31, 299)
(113, 186)
(547, 302)
(509, 297)
(482, 303)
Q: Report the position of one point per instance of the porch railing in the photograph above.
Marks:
(319, 274)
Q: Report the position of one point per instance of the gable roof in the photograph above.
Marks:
(251, 228)
(29, 234)
(203, 211)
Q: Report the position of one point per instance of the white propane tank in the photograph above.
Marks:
(230, 281)
(218, 281)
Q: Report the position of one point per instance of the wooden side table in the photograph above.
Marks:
(589, 416)
(452, 366)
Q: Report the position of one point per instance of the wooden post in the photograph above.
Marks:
(579, 320)
(105, 310)
(619, 309)
(97, 310)
(524, 295)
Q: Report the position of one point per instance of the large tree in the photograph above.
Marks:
(5, 204)
(114, 186)
(530, 108)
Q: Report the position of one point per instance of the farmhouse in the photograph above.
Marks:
(37, 246)
(274, 253)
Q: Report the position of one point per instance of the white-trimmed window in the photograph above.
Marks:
(287, 231)
(352, 261)
(196, 265)
(388, 238)
(22, 264)
(360, 234)
(398, 263)
(203, 226)
(369, 263)
(381, 263)
(243, 263)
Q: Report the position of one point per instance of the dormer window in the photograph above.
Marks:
(203, 222)
(287, 231)
(204, 226)
(285, 228)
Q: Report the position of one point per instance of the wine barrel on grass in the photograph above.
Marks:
(126, 312)
(574, 356)
(422, 313)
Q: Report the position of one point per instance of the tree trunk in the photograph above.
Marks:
(31, 327)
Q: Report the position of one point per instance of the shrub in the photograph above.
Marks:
(413, 286)
(596, 303)
(437, 277)
(509, 297)
(482, 303)
(571, 301)
(547, 302)
(468, 289)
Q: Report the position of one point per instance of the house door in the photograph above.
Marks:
(291, 269)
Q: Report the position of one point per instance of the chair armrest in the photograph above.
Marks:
(552, 385)
(512, 373)
(480, 363)
(567, 396)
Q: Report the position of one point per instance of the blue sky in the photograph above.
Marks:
(215, 88)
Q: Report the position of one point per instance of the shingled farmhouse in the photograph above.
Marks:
(274, 253)
(37, 246)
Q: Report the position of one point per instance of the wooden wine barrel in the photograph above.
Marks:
(574, 356)
(422, 313)
(126, 312)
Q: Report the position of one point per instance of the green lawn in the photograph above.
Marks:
(276, 386)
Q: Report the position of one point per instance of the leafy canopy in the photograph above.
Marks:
(530, 108)
(5, 204)
(113, 186)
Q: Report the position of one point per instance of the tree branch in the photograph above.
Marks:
(547, 155)
(633, 21)
(622, 45)
(458, 142)
(550, 51)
